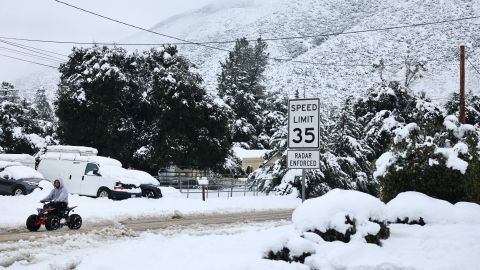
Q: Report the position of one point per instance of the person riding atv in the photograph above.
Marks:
(58, 197)
(55, 212)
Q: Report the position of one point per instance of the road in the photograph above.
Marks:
(152, 224)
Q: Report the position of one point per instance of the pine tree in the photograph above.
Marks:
(8, 93)
(42, 105)
(240, 85)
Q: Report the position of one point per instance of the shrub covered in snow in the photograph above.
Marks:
(291, 249)
(442, 162)
(341, 215)
(353, 219)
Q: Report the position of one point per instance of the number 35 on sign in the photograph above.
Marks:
(303, 120)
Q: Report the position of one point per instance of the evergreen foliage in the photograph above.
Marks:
(415, 145)
(344, 159)
(472, 107)
(240, 85)
(21, 128)
(42, 106)
(8, 93)
(146, 109)
(443, 164)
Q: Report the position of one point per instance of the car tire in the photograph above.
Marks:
(74, 222)
(150, 193)
(32, 223)
(17, 191)
(52, 223)
(104, 193)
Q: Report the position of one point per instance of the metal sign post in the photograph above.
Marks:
(303, 136)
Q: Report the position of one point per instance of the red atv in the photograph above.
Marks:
(54, 219)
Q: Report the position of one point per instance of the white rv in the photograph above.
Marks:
(85, 173)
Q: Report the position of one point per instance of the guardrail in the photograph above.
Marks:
(218, 186)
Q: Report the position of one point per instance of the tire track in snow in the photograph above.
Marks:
(151, 223)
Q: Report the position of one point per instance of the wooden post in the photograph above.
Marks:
(461, 118)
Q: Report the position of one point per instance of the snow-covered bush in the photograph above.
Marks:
(291, 249)
(343, 215)
(355, 220)
(442, 162)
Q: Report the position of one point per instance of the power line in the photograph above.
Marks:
(35, 48)
(474, 67)
(138, 27)
(322, 64)
(29, 54)
(19, 59)
(31, 49)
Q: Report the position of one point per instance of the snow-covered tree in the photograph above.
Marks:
(146, 109)
(21, 129)
(9, 93)
(42, 106)
(190, 127)
(240, 85)
(344, 159)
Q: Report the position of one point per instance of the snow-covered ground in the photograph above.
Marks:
(449, 240)
(15, 210)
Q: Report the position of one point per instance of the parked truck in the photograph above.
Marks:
(86, 173)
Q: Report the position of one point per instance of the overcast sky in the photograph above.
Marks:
(47, 19)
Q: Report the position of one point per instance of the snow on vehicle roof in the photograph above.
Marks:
(83, 150)
(4, 164)
(19, 172)
(75, 156)
(21, 158)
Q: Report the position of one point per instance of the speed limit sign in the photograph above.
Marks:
(303, 120)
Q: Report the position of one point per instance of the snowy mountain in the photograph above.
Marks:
(229, 20)
(438, 44)
(47, 79)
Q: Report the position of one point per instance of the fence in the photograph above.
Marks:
(218, 185)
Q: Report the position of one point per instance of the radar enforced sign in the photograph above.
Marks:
(303, 159)
(303, 119)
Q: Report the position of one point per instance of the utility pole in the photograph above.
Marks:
(461, 118)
